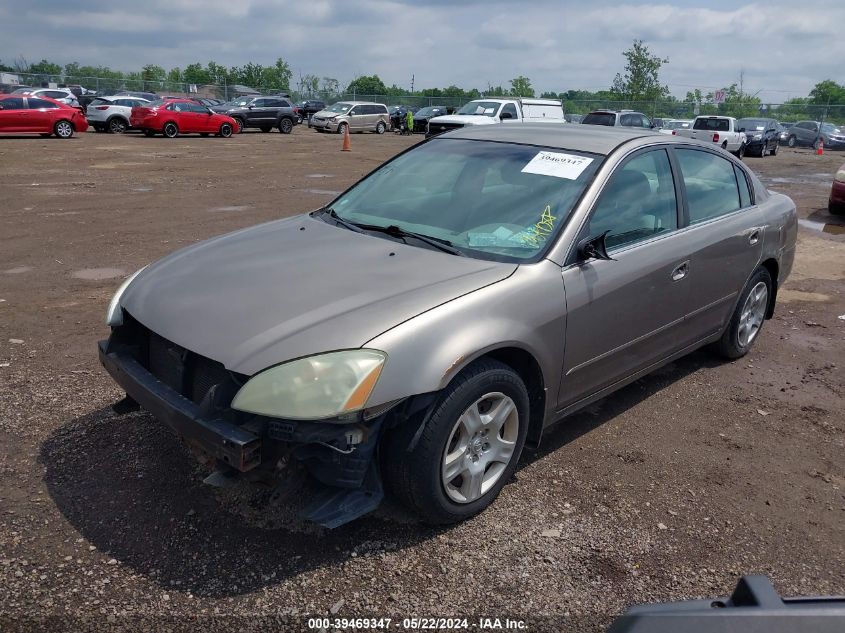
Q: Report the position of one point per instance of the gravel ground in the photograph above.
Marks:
(669, 489)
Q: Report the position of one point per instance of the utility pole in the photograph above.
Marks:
(412, 84)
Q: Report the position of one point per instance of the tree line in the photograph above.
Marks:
(638, 84)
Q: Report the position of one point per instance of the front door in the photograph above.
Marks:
(727, 232)
(626, 314)
(12, 114)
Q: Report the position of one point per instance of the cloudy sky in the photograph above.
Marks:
(782, 47)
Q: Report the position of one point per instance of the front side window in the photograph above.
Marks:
(198, 108)
(711, 184)
(509, 109)
(638, 201)
(498, 201)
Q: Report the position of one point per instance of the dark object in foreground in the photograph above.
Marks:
(754, 607)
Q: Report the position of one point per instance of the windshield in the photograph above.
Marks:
(830, 128)
(675, 125)
(498, 201)
(751, 124)
(481, 108)
(240, 102)
(339, 107)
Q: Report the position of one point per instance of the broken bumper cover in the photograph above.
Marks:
(218, 438)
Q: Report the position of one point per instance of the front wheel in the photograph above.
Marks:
(63, 129)
(341, 129)
(748, 316)
(774, 151)
(740, 153)
(171, 130)
(468, 449)
(240, 123)
(225, 130)
(285, 126)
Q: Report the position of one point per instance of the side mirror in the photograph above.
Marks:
(594, 248)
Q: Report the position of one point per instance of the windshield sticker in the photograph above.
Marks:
(568, 166)
(536, 235)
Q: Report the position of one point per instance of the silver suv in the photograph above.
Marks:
(618, 118)
(111, 114)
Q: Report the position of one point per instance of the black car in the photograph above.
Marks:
(262, 112)
(762, 136)
(422, 116)
(310, 107)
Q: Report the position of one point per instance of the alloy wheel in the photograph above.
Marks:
(480, 447)
(64, 129)
(753, 313)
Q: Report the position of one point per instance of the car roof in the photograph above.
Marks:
(593, 139)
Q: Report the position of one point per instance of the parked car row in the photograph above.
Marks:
(25, 113)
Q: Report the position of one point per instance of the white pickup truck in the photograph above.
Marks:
(721, 130)
(496, 110)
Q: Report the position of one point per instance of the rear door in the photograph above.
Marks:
(627, 314)
(727, 231)
(12, 114)
(40, 115)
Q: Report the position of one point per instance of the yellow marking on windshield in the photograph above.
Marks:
(537, 233)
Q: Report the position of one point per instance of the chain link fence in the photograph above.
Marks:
(654, 109)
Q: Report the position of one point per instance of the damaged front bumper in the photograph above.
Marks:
(338, 456)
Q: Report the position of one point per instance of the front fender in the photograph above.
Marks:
(526, 311)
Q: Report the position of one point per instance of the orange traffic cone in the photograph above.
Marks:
(820, 150)
(347, 147)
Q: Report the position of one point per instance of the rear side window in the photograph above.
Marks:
(13, 103)
(380, 109)
(600, 118)
(744, 189)
(711, 184)
(36, 104)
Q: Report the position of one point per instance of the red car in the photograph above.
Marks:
(173, 117)
(28, 114)
(836, 204)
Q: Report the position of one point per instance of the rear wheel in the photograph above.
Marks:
(468, 449)
(117, 125)
(748, 317)
(381, 127)
(285, 126)
(171, 130)
(63, 129)
(225, 130)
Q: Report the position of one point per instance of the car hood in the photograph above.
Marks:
(464, 119)
(293, 288)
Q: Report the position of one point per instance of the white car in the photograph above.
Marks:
(58, 94)
(670, 125)
(111, 114)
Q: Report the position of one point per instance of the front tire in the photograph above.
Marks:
(341, 129)
(63, 129)
(774, 151)
(740, 153)
(748, 316)
(225, 130)
(467, 451)
(171, 130)
(285, 126)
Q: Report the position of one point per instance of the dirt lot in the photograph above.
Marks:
(669, 489)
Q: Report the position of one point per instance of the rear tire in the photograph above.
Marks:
(63, 129)
(225, 130)
(381, 127)
(117, 125)
(748, 317)
(285, 126)
(171, 130)
(461, 426)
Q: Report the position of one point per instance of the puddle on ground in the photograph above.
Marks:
(833, 229)
(802, 180)
(18, 270)
(788, 296)
(141, 189)
(55, 214)
(242, 207)
(324, 192)
(96, 274)
(117, 165)
(319, 175)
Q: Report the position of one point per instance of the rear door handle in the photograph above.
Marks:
(754, 237)
(680, 271)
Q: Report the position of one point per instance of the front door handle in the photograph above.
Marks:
(754, 237)
(680, 271)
